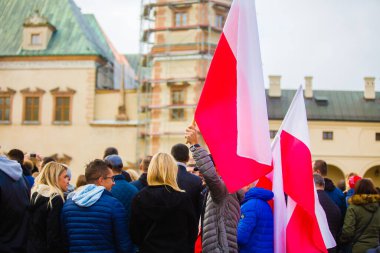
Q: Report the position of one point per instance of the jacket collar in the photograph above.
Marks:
(181, 167)
(119, 177)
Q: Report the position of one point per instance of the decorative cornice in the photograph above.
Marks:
(65, 159)
(37, 20)
(27, 91)
(57, 91)
(8, 92)
(178, 84)
(47, 64)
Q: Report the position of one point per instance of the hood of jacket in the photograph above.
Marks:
(159, 201)
(329, 185)
(88, 195)
(369, 201)
(258, 193)
(43, 190)
(11, 168)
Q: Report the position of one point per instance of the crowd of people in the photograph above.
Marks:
(165, 209)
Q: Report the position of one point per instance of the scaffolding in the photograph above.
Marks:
(153, 51)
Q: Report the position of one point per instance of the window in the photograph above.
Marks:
(32, 105)
(177, 99)
(219, 21)
(32, 109)
(327, 135)
(62, 109)
(5, 108)
(36, 39)
(180, 19)
(272, 133)
(62, 106)
(377, 137)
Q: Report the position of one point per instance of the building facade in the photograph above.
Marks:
(58, 78)
(344, 126)
(66, 92)
(178, 41)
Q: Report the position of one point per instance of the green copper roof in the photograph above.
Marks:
(329, 105)
(76, 34)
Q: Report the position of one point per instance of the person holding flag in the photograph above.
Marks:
(221, 210)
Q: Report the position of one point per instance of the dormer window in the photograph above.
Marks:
(36, 39)
(37, 32)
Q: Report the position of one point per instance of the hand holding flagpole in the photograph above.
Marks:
(191, 134)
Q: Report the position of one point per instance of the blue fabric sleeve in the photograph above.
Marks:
(247, 222)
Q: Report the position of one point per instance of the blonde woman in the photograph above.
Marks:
(45, 210)
(163, 216)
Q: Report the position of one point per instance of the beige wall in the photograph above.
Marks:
(107, 103)
(93, 126)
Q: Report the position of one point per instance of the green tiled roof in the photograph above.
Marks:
(76, 34)
(329, 105)
(134, 62)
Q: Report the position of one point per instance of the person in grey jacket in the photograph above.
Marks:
(222, 209)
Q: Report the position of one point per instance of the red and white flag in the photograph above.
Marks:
(232, 112)
(301, 225)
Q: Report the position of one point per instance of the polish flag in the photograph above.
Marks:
(301, 225)
(232, 113)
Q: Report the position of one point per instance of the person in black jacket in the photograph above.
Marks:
(162, 218)
(14, 202)
(142, 181)
(187, 181)
(333, 215)
(45, 229)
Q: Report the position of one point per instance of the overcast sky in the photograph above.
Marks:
(335, 41)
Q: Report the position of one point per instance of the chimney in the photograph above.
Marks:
(274, 86)
(369, 88)
(308, 87)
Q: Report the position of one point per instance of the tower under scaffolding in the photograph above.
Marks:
(178, 39)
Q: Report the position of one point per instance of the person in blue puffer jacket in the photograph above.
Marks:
(93, 220)
(255, 229)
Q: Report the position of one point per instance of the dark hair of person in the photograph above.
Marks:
(28, 167)
(180, 152)
(321, 166)
(365, 186)
(110, 151)
(145, 162)
(47, 160)
(81, 181)
(341, 185)
(96, 169)
(17, 155)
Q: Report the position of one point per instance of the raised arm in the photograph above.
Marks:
(217, 188)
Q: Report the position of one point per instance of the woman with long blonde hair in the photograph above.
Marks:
(45, 210)
(163, 217)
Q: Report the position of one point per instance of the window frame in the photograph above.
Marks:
(328, 135)
(173, 110)
(56, 93)
(272, 133)
(31, 121)
(36, 35)
(182, 13)
(27, 93)
(9, 93)
(223, 20)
